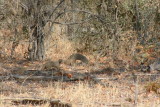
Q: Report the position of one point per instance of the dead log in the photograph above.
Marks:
(37, 101)
(45, 78)
(63, 76)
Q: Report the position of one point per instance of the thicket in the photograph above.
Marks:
(104, 27)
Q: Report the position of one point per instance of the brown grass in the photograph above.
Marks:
(58, 45)
(79, 94)
(153, 87)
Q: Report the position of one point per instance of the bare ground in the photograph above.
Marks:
(121, 90)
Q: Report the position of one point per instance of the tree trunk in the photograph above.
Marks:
(36, 51)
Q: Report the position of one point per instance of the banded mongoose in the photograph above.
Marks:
(52, 65)
(70, 61)
(155, 66)
(75, 57)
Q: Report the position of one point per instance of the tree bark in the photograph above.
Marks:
(37, 45)
(36, 51)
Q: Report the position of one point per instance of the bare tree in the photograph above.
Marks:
(38, 13)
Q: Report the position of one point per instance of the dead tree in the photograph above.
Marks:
(38, 16)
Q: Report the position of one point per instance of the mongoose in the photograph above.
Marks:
(75, 57)
(71, 60)
(155, 66)
(52, 65)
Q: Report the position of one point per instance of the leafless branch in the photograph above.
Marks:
(56, 8)
(82, 21)
(72, 23)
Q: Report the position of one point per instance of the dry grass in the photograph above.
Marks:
(79, 94)
(57, 45)
(153, 87)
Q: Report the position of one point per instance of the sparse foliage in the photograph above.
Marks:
(105, 27)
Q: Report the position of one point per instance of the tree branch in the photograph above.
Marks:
(72, 23)
(56, 8)
(82, 21)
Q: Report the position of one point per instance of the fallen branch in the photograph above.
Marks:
(37, 75)
(38, 101)
(53, 78)
(36, 78)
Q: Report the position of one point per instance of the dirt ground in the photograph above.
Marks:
(120, 89)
